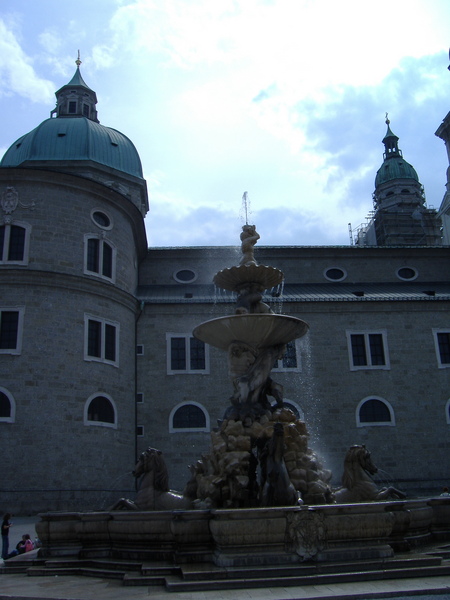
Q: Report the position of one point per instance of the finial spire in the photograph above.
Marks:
(387, 120)
(78, 61)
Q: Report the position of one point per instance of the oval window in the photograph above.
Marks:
(335, 274)
(185, 276)
(407, 273)
(101, 219)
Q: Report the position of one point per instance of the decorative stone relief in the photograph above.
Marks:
(10, 201)
(306, 532)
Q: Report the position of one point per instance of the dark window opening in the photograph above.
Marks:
(5, 406)
(94, 338)
(72, 108)
(198, 360)
(9, 329)
(101, 409)
(189, 416)
(290, 357)
(374, 411)
(178, 354)
(444, 347)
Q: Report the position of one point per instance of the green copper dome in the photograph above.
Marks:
(74, 133)
(76, 138)
(395, 168)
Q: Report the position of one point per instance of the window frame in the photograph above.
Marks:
(12, 403)
(436, 331)
(90, 423)
(279, 368)
(4, 249)
(102, 358)
(101, 243)
(21, 312)
(388, 405)
(369, 366)
(205, 429)
(188, 370)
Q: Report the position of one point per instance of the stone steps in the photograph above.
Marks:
(174, 584)
(198, 577)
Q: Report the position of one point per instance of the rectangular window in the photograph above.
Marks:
(290, 360)
(101, 340)
(13, 243)
(442, 346)
(368, 350)
(11, 321)
(100, 256)
(140, 397)
(186, 354)
(72, 107)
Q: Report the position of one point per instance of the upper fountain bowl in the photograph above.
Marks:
(234, 278)
(256, 330)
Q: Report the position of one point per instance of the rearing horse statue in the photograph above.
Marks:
(357, 482)
(153, 493)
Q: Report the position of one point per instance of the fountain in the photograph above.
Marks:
(260, 455)
(262, 497)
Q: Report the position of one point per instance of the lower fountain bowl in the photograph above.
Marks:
(256, 330)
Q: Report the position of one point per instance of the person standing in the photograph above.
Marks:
(6, 525)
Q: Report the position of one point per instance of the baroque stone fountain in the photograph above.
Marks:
(260, 454)
(262, 497)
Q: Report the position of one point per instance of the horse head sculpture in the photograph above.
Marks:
(357, 482)
(153, 493)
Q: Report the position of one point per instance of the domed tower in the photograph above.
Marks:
(72, 207)
(401, 216)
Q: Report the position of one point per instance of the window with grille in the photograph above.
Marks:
(101, 340)
(189, 416)
(186, 354)
(290, 360)
(374, 411)
(100, 257)
(368, 350)
(13, 244)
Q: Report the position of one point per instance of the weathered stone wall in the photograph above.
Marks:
(55, 460)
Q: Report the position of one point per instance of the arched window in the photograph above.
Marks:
(374, 411)
(7, 406)
(100, 410)
(189, 416)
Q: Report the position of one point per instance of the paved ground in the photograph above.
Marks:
(21, 587)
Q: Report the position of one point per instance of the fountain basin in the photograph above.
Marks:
(256, 330)
(237, 537)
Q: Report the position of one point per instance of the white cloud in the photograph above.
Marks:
(17, 74)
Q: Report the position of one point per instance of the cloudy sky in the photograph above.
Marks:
(284, 99)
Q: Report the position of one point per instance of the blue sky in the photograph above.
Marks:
(284, 99)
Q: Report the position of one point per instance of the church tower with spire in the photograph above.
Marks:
(401, 217)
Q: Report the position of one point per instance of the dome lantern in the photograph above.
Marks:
(76, 99)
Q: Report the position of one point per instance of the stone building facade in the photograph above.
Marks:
(97, 357)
